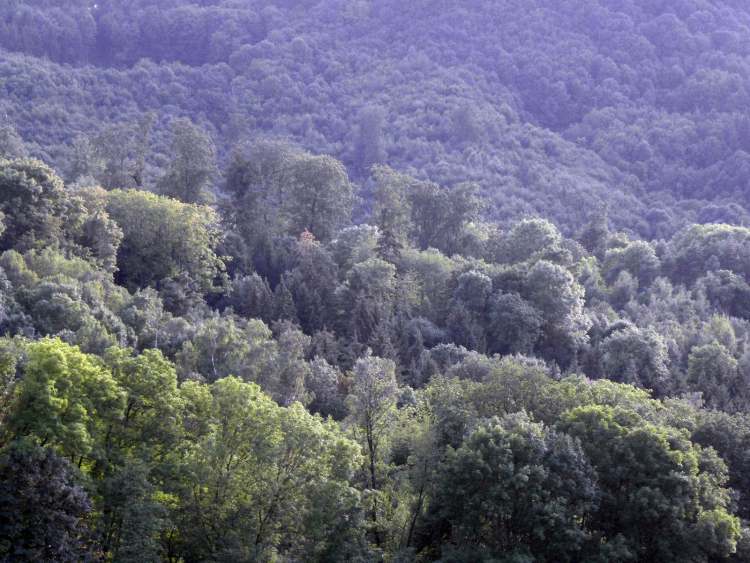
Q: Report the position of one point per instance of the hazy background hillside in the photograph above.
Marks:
(553, 107)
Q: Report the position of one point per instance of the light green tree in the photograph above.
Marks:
(67, 400)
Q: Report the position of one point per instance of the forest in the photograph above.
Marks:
(375, 281)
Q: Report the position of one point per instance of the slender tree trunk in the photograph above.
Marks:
(373, 482)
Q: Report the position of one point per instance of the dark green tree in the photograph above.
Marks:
(44, 511)
(513, 491)
(192, 166)
(662, 497)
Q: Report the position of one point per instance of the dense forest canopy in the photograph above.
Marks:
(638, 104)
(353, 280)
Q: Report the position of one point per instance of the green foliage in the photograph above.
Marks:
(11, 144)
(638, 258)
(262, 479)
(163, 238)
(371, 405)
(44, 515)
(636, 357)
(713, 370)
(659, 493)
(276, 189)
(223, 346)
(137, 351)
(150, 421)
(530, 240)
(368, 298)
(700, 248)
(320, 197)
(36, 211)
(515, 324)
(192, 166)
(440, 215)
(66, 399)
(392, 211)
(518, 490)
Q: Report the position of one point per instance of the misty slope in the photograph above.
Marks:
(552, 107)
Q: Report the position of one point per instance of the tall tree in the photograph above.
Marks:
(713, 370)
(391, 210)
(11, 144)
(440, 214)
(320, 198)
(369, 144)
(192, 166)
(371, 405)
(121, 151)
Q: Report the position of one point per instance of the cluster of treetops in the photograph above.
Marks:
(294, 368)
(641, 104)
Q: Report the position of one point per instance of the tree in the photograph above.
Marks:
(144, 314)
(624, 290)
(291, 369)
(312, 283)
(636, 357)
(530, 240)
(224, 346)
(515, 490)
(661, 496)
(637, 258)
(11, 144)
(263, 479)
(276, 192)
(251, 297)
(466, 125)
(473, 289)
(514, 324)
(439, 215)
(369, 144)
(713, 370)
(371, 404)
(10, 353)
(594, 235)
(701, 248)
(323, 382)
(353, 245)
(121, 151)
(727, 291)
(66, 400)
(320, 197)
(99, 233)
(192, 166)
(368, 298)
(133, 519)
(257, 180)
(44, 511)
(149, 425)
(36, 210)
(467, 317)
(729, 435)
(163, 238)
(392, 208)
(558, 297)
